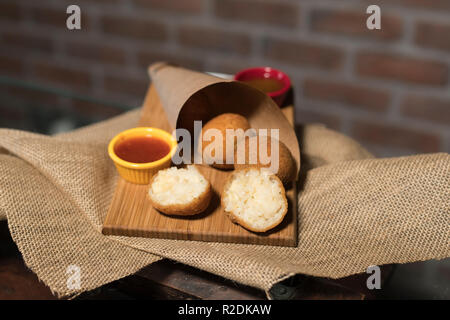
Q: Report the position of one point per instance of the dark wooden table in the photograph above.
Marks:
(169, 280)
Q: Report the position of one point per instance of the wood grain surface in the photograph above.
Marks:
(131, 213)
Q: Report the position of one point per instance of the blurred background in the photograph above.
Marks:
(388, 88)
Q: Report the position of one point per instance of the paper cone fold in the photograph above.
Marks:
(187, 95)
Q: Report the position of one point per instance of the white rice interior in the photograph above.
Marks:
(255, 197)
(177, 186)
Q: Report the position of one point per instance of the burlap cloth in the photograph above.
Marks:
(354, 211)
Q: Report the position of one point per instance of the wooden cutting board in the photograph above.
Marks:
(131, 213)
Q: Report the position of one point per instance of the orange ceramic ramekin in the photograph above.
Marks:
(141, 173)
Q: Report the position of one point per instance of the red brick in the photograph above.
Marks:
(177, 6)
(54, 17)
(11, 117)
(10, 11)
(93, 109)
(131, 27)
(433, 35)
(427, 108)
(103, 2)
(268, 13)
(61, 75)
(395, 136)
(303, 54)
(10, 113)
(309, 116)
(353, 23)
(33, 95)
(27, 41)
(126, 85)
(101, 53)
(402, 68)
(347, 93)
(420, 4)
(146, 57)
(30, 98)
(229, 66)
(214, 39)
(10, 65)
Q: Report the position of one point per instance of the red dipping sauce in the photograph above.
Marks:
(142, 149)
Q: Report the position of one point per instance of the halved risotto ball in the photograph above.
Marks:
(255, 198)
(180, 191)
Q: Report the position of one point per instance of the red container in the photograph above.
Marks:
(267, 73)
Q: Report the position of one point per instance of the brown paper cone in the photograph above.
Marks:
(188, 95)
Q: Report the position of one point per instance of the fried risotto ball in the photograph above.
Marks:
(221, 123)
(286, 164)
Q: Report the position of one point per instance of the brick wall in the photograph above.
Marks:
(389, 89)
